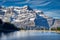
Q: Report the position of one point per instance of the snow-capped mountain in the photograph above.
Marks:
(25, 17)
(17, 14)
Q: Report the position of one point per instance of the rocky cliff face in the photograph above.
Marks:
(56, 23)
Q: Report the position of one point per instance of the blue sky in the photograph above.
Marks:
(49, 7)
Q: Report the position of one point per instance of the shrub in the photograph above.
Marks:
(58, 28)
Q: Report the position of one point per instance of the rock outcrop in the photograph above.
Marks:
(7, 27)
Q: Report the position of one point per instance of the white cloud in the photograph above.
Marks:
(53, 13)
(40, 2)
(15, 1)
(23, 2)
(45, 4)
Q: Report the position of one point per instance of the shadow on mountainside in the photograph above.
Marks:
(7, 27)
(41, 22)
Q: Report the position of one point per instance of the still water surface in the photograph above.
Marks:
(30, 35)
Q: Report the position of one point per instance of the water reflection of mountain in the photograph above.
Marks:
(30, 35)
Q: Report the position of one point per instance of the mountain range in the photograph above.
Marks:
(26, 17)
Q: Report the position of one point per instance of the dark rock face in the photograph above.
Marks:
(29, 8)
(41, 22)
(56, 23)
(2, 12)
(7, 27)
(0, 7)
(1, 22)
(53, 22)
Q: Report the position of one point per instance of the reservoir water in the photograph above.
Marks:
(30, 35)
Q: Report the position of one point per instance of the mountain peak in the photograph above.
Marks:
(28, 7)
